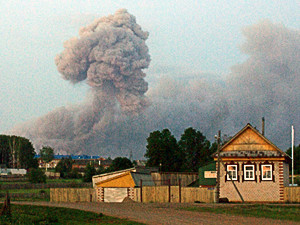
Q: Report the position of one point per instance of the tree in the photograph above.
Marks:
(17, 152)
(163, 151)
(27, 154)
(196, 148)
(47, 154)
(64, 166)
(296, 159)
(4, 150)
(89, 172)
(120, 163)
(36, 175)
(74, 174)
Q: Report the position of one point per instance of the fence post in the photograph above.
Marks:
(141, 187)
(179, 188)
(169, 183)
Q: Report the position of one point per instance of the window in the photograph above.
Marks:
(249, 173)
(232, 172)
(266, 172)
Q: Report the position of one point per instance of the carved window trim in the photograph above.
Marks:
(249, 169)
(270, 170)
(232, 168)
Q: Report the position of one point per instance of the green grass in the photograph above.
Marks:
(26, 214)
(280, 212)
(39, 195)
(26, 191)
(47, 181)
(64, 181)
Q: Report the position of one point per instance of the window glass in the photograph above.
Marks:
(232, 172)
(249, 172)
(266, 172)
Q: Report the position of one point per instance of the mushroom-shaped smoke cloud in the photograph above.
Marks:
(110, 54)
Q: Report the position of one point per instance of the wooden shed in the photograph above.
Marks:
(116, 186)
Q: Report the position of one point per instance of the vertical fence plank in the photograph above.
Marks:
(292, 194)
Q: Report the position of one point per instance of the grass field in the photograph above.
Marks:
(281, 212)
(26, 191)
(25, 214)
(26, 195)
(32, 194)
(47, 181)
(64, 180)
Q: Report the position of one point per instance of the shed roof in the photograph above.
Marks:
(146, 179)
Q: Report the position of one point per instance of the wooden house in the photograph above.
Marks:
(254, 167)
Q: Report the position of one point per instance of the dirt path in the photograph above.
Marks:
(155, 213)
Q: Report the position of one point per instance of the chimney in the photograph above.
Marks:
(263, 126)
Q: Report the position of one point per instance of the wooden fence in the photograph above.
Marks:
(157, 194)
(174, 194)
(185, 178)
(292, 194)
(73, 195)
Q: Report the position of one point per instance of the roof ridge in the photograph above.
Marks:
(258, 133)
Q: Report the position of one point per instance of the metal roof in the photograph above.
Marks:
(146, 179)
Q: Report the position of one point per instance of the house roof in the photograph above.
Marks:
(250, 143)
(115, 172)
(128, 179)
(121, 180)
(72, 156)
(146, 179)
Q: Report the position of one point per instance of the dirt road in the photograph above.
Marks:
(155, 213)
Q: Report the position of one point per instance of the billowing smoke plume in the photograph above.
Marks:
(267, 84)
(110, 55)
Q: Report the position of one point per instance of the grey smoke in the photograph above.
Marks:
(118, 115)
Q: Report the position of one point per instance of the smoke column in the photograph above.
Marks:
(267, 84)
(110, 54)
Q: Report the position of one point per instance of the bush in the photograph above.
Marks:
(74, 174)
(89, 172)
(64, 167)
(36, 175)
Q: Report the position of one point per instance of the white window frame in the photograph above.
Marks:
(263, 170)
(233, 170)
(249, 172)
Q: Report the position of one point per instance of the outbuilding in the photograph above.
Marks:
(119, 185)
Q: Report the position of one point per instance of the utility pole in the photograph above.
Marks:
(218, 167)
(130, 156)
(293, 156)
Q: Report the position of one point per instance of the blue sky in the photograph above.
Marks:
(190, 35)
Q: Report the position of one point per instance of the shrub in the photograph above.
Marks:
(36, 176)
(89, 172)
(74, 174)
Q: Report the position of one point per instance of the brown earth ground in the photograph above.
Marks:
(161, 213)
